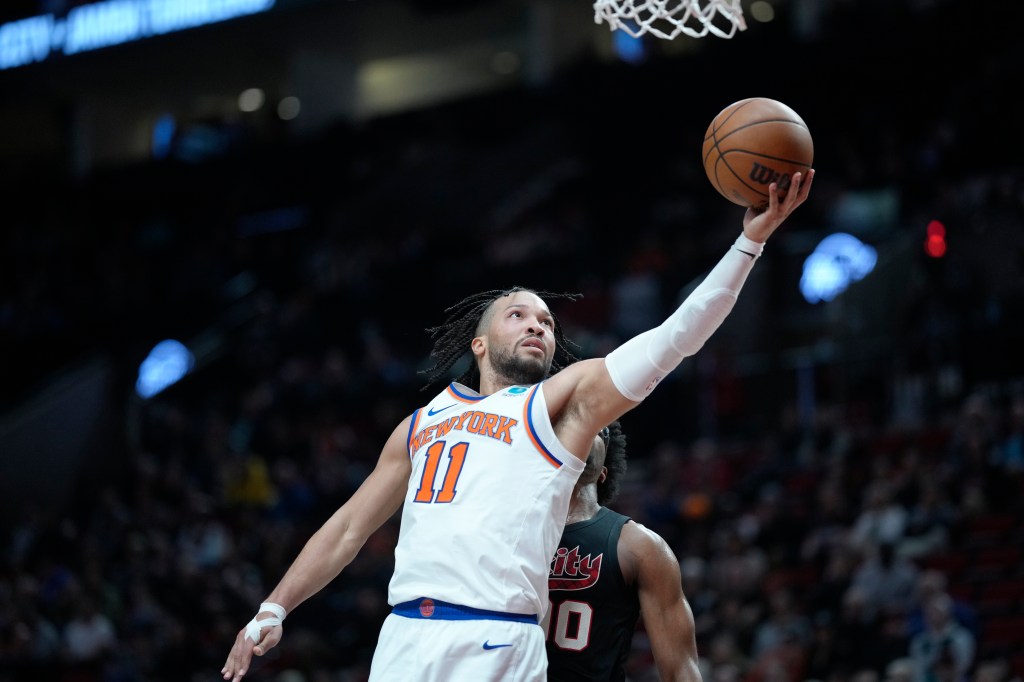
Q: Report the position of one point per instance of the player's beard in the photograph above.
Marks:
(520, 371)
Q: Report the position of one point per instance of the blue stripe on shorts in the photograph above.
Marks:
(433, 609)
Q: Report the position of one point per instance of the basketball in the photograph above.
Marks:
(753, 143)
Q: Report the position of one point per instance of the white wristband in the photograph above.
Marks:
(744, 244)
(253, 627)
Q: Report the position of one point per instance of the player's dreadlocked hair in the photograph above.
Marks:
(452, 339)
(614, 461)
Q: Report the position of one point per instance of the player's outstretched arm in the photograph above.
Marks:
(668, 619)
(593, 393)
(327, 552)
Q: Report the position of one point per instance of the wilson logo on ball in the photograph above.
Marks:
(763, 175)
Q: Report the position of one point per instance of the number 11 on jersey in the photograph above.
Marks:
(456, 458)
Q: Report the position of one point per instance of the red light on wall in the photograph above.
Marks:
(935, 242)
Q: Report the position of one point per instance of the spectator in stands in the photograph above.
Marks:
(784, 622)
(89, 637)
(882, 520)
(899, 670)
(929, 521)
(944, 652)
(933, 583)
(1009, 453)
(887, 580)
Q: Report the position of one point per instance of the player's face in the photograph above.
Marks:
(520, 338)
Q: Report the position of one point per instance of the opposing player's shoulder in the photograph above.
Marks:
(641, 550)
(641, 539)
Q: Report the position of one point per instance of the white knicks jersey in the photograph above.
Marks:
(487, 500)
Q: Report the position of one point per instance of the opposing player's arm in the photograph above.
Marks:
(587, 395)
(333, 546)
(668, 619)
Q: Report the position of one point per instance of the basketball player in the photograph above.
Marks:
(483, 474)
(607, 571)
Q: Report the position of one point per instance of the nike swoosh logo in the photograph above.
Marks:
(431, 413)
(489, 646)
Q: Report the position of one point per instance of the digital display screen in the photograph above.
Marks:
(73, 27)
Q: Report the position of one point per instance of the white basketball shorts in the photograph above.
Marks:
(447, 646)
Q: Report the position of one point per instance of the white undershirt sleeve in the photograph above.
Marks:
(637, 366)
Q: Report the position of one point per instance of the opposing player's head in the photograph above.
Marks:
(510, 332)
(606, 463)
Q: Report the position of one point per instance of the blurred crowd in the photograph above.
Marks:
(869, 528)
(833, 553)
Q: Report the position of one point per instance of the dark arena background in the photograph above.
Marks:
(225, 230)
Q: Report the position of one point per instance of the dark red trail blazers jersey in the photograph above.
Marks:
(593, 612)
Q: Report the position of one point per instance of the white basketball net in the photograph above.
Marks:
(668, 18)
